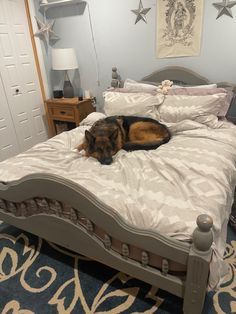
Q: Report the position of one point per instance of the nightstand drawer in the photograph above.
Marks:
(63, 112)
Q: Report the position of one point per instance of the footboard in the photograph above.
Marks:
(65, 213)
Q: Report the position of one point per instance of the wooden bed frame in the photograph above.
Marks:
(63, 212)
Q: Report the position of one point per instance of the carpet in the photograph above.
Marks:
(39, 277)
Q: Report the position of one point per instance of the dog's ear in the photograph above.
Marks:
(114, 135)
(89, 137)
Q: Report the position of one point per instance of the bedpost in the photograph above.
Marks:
(198, 266)
(115, 82)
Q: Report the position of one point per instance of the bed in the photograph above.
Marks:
(49, 192)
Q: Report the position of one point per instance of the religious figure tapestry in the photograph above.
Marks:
(179, 28)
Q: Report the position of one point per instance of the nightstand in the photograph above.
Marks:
(66, 113)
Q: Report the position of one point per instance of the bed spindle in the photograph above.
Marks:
(42, 205)
(3, 204)
(73, 215)
(165, 267)
(144, 258)
(89, 226)
(107, 241)
(31, 205)
(11, 207)
(125, 250)
(22, 209)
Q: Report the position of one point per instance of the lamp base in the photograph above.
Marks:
(68, 90)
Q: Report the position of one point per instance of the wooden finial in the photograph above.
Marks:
(115, 78)
(204, 222)
(202, 235)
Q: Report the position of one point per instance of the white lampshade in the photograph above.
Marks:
(64, 59)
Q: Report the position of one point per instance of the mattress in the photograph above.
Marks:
(162, 190)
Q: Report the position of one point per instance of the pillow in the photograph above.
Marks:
(225, 107)
(212, 90)
(135, 103)
(129, 90)
(190, 103)
(196, 86)
(152, 86)
(92, 118)
(142, 87)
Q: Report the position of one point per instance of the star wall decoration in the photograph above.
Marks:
(45, 30)
(224, 7)
(141, 12)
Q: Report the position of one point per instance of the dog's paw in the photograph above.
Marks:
(80, 147)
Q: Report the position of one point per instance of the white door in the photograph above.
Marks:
(19, 74)
(8, 141)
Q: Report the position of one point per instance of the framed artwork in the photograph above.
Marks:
(179, 28)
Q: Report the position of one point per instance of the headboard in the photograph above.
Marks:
(178, 75)
(183, 76)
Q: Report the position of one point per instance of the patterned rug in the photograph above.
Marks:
(40, 277)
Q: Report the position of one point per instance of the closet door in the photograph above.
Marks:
(8, 141)
(19, 74)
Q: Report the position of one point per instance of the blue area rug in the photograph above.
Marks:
(39, 277)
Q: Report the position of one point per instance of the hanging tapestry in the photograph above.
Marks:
(179, 28)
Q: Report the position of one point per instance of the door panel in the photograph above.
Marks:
(19, 74)
(8, 141)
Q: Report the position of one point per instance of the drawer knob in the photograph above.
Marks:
(62, 112)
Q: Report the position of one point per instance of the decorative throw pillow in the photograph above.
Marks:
(190, 103)
(135, 103)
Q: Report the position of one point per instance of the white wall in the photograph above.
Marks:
(119, 42)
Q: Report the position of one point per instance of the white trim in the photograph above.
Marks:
(39, 50)
(58, 3)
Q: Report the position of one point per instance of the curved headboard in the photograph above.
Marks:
(182, 76)
(178, 75)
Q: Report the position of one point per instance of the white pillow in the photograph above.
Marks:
(135, 104)
(178, 107)
(136, 86)
(145, 87)
(92, 118)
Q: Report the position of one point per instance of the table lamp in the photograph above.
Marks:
(65, 59)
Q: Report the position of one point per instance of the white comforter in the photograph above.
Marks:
(163, 189)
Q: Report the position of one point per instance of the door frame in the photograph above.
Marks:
(37, 50)
(38, 56)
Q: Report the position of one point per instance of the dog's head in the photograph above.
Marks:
(102, 146)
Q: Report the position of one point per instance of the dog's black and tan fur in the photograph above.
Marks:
(109, 135)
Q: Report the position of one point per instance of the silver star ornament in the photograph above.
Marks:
(224, 7)
(141, 12)
(45, 30)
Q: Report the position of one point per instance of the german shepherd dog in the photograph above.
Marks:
(111, 134)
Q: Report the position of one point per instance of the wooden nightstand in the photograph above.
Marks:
(66, 113)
